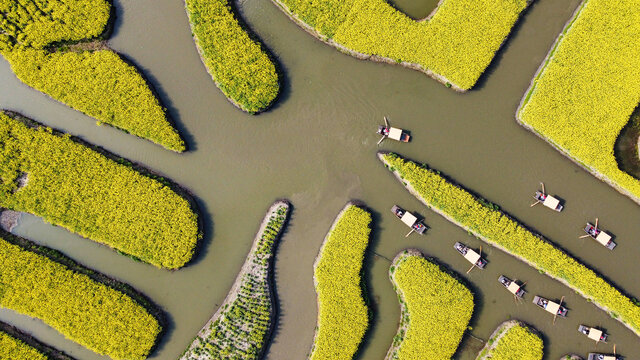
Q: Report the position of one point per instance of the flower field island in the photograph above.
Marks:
(239, 65)
(94, 194)
(16, 345)
(454, 44)
(242, 326)
(435, 309)
(485, 221)
(587, 88)
(343, 317)
(43, 284)
(513, 340)
(53, 46)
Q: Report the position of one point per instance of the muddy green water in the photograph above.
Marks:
(317, 148)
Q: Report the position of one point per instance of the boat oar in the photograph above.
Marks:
(596, 223)
(543, 191)
(379, 141)
(535, 203)
(409, 233)
(584, 236)
(386, 121)
(556, 314)
(471, 268)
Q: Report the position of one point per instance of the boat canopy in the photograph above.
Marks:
(395, 134)
(472, 256)
(552, 307)
(409, 219)
(610, 357)
(594, 334)
(603, 238)
(551, 202)
(513, 287)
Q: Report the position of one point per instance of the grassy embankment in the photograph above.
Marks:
(587, 88)
(513, 340)
(435, 309)
(35, 38)
(101, 314)
(242, 326)
(239, 65)
(94, 194)
(487, 222)
(343, 317)
(454, 45)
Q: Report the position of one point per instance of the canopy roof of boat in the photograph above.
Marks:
(408, 218)
(551, 202)
(603, 238)
(552, 307)
(513, 287)
(472, 256)
(595, 334)
(395, 133)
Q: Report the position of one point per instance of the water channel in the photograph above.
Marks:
(317, 148)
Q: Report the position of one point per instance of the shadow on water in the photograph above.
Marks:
(206, 228)
(627, 146)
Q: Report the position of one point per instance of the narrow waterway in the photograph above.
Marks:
(317, 148)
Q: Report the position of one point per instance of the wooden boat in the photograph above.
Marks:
(592, 333)
(470, 254)
(409, 219)
(599, 235)
(388, 131)
(548, 201)
(598, 356)
(511, 285)
(550, 306)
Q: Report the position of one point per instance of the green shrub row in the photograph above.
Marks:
(241, 328)
(90, 313)
(457, 43)
(238, 64)
(98, 83)
(69, 184)
(588, 87)
(435, 309)
(343, 317)
(491, 225)
(513, 341)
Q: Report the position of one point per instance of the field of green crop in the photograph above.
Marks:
(517, 342)
(436, 309)
(88, 312)
(588, 88)
(343, 317)
(238, 64)
(100, 84)
(456, 44)
(241, 328)
(71, 185)
(485, 221)
(14, 349)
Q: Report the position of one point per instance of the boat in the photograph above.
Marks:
(511, 285)
(599, 235)
(598, 356)
(409, 219)
(548, 201)
(388, 131)
(593, 333)
(471, 255)
(550, 306)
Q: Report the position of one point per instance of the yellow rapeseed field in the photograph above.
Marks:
(70, 185)
(238, 64)
(517, 343)
(490, 224)
(82, 309)
(14, 349)
(438, 308)
(589, 87)
(342, 313)
(458, 42)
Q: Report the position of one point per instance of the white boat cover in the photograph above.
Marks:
(594, 334)
(472, 256)
(395, 133)
(409, 219)
(553, 307)
(551, 202)
(610, 357)
(513, 287)
(603, 238)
